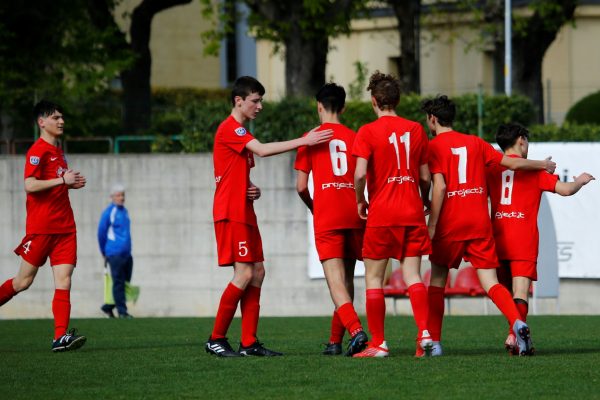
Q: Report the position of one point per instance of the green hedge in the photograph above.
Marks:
(565, 133)
(585, 111)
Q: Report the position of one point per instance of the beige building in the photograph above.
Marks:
(571, 69)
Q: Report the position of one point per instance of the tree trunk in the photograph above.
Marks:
(408, 13)
(305, 62)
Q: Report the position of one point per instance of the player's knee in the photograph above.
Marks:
(63, 283)
(258, 274)
(21, 284)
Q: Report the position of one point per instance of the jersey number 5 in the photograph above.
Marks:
(339, 161)
(461, 152)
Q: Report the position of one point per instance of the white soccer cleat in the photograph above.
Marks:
(424, 345)
(510, 344)
(374, 351)
(523, 336)
(436, 349)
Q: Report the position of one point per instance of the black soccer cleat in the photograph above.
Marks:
(107, 309)
(69, 341)
(257, 349)
(220, 347)
(357, 343)
(332, 349)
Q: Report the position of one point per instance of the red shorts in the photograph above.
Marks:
(340, 243)
(238, 242)
(527, 269)
(61, 248)
(481, 253)
(396, 242)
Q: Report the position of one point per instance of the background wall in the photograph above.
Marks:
(170, 204)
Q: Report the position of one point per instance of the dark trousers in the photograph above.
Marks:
(121, 268)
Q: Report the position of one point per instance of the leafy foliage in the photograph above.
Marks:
(586, 110)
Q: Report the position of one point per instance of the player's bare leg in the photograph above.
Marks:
(411, 272)
(374, 276)
(22, 281)
(61, 308)
(505, 303)
(437, 285)
(335, 270)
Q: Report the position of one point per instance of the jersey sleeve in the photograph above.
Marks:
(361, 147)
(302, 162)
(547, 182)
(490, 154)
(236, 139)
(33, 163)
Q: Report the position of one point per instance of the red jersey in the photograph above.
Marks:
(462, 159)
(515, 197)
(232, 163)
(48, 211)
(395, 148)
(334, 199)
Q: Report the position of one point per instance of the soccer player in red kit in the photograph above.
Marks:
(392, 160)
(238, 238)
(515, 198)
(338, 228)
(459, 224)
(50, 227)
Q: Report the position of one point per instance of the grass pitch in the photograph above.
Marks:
(164, 358)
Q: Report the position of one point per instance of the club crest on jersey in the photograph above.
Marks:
(34, 160)
(241, 131)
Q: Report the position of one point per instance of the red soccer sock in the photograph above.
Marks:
(436, 312)
(504, 301)
(337, 329)
(250, 305)
(349, 318)
(229, 302)
(376, 315)
(523, 308)
(61, 308)
(7, 292)
(420, 305)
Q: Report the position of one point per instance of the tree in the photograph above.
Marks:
(50, 51)
(302, 28)
(135, 79)
(534, 29)
(408, 14)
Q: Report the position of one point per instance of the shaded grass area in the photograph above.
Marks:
(164, 358)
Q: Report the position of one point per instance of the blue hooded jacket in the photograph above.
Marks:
(114, 236)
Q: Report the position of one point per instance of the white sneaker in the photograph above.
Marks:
(436, 349)
(523, 336)
(374, 351)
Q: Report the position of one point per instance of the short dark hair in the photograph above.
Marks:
(45, 108)
(385, 89)
(440, 107)
(244, 86)
(332, 96)
(507, 134)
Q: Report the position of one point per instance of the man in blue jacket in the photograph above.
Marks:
(114, 238)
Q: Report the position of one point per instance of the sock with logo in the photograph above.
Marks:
(504, 301)
(61, 308)
(7, 292)
(435, 316)
(227, 306)
(420, 305)
(250, 305)
(337, 329)
(349, 318)
(376, 315)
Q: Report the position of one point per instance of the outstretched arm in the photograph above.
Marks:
(269, 149)
(570, 188)
(530, 165)
(437, 199)
(360, 182)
